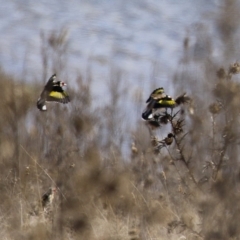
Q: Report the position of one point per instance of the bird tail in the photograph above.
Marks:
(41, 105)
(146, 115)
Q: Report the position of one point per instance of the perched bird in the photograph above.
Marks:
(49, 200)
(52, 91)
(154, 105)
(47, 197)
(156, 94)
(166, 141)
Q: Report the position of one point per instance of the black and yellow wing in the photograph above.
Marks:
(58, 95)
(156, 94)
(165, 102)
(52, 91)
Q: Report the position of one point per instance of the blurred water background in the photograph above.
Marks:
(133, 36)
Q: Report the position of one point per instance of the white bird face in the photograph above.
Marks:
(63, 84)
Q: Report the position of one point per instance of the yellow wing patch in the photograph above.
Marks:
(58, 95)
(167, 102)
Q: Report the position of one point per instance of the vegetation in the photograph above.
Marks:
(99, 189)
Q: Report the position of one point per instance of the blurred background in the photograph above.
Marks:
(93, 169)
(141, 38)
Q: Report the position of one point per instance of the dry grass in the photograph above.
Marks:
(187, 190)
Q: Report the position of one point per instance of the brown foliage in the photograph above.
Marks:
(185, 188)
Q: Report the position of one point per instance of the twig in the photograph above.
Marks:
(220, 160)
(35, 161)
(140, 195)
(183, 137)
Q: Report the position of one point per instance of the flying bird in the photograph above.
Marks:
(52, 92)
(156, 104)
(156, 94)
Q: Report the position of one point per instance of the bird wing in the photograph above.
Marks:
(156, 94)
(41, 105)
(148, 110)
(50, 82)
(165, 102)
(61, 97)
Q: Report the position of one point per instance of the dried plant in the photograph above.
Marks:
(178, 179)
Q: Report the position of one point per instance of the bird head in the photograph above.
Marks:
(62, 84)
(170, 135)
(59, 83)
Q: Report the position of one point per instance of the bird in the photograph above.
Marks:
(156, 94)
(166, 141)
(52, 91)
(169, 139)
(156, 104)
(49, 203)
(47, 197)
